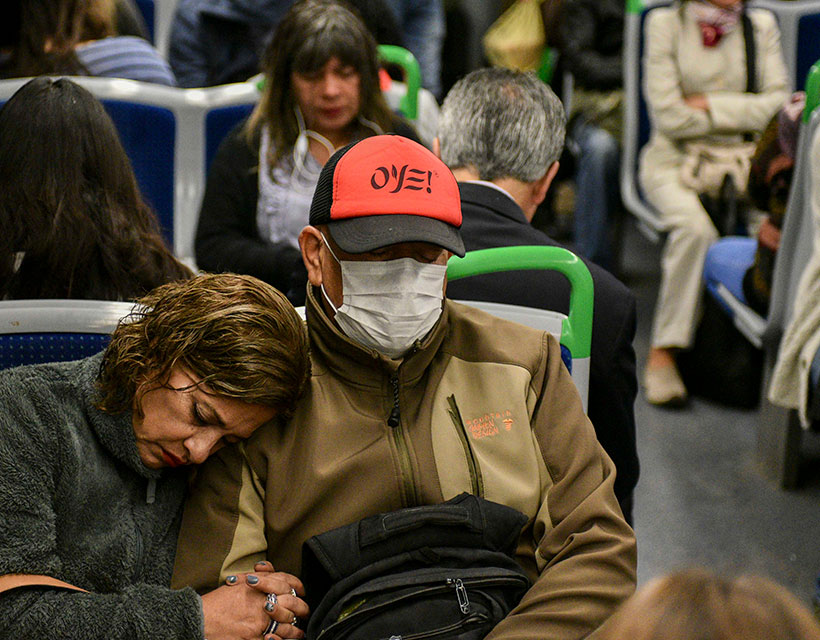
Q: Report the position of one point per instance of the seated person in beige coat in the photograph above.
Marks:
(696, 88)
(415, 399)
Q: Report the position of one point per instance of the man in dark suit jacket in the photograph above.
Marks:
(501, 133)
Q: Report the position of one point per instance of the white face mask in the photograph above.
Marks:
(388, 305)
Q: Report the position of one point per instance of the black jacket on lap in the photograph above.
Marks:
(492, 219)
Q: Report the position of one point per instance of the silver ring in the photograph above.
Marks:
(271, 627)
(293, 593)
(295, 622)
(272, 598)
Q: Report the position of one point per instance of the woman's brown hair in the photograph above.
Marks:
(74, 224)
(238, 335)
(696, 604)
(43, 34)
(310, 34)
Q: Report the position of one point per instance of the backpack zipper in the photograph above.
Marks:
(476, 479)
(337, 628)
(461, 594)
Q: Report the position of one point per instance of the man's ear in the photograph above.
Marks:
(437, 147)
(310, 242)
(540, 186)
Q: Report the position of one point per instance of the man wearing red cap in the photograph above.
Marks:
(413, 400)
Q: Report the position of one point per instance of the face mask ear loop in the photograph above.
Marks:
(322, 286)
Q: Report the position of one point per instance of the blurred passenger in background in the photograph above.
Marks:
(697, 604)
(422, 27)
(215, 42)
(74, 37)
(591, 34)
(699, 96)
(321, 93)
(74, 223)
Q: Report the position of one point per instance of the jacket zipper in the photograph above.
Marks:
(394, 422)
(476, 479)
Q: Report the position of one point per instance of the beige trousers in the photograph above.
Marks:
(690, 235)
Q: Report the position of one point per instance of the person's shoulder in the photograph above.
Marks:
(762, 18)
(664, 16)
(42, 389)
(478, 335)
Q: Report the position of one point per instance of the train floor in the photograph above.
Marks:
(700, 499)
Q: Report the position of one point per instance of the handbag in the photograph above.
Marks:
(707, 165)
(517, 39)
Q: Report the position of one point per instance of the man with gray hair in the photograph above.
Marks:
(501, 132)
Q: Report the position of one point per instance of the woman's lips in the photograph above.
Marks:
(171, 460)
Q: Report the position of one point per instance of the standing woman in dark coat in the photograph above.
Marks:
(74, 223)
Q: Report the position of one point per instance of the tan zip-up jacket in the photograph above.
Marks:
(482, 405)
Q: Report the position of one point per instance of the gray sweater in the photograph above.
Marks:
(76, 503)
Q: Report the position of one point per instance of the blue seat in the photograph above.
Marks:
(218, 123)
(726, 263)
(170, 135)
(799, 22)
(36, 331)
(148, 133)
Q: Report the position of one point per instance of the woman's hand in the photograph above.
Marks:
(697, 101)
(240, 609)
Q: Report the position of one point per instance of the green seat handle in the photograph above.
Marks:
(409, 104)
(812, 91)
(576, 331)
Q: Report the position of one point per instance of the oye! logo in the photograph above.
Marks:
(401, 178)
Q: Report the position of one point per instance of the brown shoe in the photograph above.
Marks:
(663, 386)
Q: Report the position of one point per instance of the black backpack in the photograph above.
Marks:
(439, 571)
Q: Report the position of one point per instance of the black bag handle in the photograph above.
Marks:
(751, 59)
(751, 54)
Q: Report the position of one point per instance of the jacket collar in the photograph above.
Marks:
(349, 360)
(481, 195)
(115, 432)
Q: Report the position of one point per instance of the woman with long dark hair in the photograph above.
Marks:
(74, 37)
(321, 92)
(74, 224)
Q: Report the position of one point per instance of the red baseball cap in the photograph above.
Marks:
(384, 190)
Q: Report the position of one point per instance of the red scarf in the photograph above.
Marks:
(714, 22)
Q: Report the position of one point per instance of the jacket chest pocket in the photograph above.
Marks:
(482, 440)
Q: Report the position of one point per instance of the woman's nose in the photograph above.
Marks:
(201, 445)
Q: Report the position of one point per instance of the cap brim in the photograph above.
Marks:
(358, 235)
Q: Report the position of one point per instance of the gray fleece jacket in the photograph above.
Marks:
(76, 503)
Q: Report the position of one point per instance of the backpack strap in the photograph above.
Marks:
(16, 580)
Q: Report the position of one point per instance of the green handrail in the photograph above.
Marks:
(549, 60)
(812, 91)
(576, 330)
(634, 6)
(409, 104)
